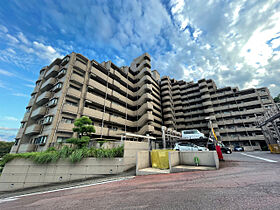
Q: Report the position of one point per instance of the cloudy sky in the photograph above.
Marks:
(236, 43)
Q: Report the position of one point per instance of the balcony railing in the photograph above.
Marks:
(33, 129)
(43, 98)
(39, 112)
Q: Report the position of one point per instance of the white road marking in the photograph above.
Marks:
(62, 189)
(265, 159)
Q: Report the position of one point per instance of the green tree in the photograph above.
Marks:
(277, 99)
(5, 147)
(84, 127)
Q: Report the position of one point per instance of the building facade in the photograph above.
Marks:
(188, 105)
(133, 99)
(117, 100)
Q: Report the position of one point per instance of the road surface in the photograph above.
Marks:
(248, 180)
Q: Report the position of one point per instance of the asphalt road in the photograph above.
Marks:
(243, 182)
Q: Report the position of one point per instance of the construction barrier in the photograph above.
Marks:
(160, 159)
(274, 148)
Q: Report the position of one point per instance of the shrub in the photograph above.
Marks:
(74, 155)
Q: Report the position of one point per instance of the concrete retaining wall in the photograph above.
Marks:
(206, 158)
(174, 158)
(143, 161)
(178, 162)
(21, 173)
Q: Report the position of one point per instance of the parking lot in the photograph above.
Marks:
(247, 180)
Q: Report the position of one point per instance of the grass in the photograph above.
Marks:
(74, 155)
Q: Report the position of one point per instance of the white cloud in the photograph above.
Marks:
(6, 73)
(23, 38)
(21, 95)
(10, 118)
(3, 29)
(12, 39)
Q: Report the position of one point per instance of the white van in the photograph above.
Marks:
(192, 134)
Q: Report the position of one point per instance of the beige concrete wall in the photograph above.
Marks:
(174, 158)
(130, 152)
(21, 173)
(251, 148)
(143, 160)
(206, 158)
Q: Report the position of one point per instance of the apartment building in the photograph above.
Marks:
(189, 105)
(134, 99)
(118, 100)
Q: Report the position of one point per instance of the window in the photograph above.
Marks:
(28, 109)
(62, 72)
(57, 87)
(40, 140)
(53, 102)
(61, 139)
(67, 120)
(71, 103)
(48, 119)
(22, 124)
(65, 61)
(38, 83)
(16, 141)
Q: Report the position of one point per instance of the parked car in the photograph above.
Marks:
(238, 149)
(189, 147)
(225, 149)
(192, 134)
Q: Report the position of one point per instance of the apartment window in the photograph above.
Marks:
(67, 120)
(71, 103)
(40, 140)
(57, 87)
(48, 119)
(38, 83)
(62, 72)
(53, 102)
(33, 95)
(65, 61)
(264, 98)
(22, 124)
(16, 141)
(61, 139)
(28, 109)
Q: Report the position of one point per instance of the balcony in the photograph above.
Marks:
(204, 90)
(65, 127)
(70, 109)
(80, 65)
(52, 72)
(43, 98)
(26, 116)
(31, 102)
(39, 112)
(47, 85)
(77, 78)
(209, 110)
(33, 129)
(74, 92)
(205, 96)
(207, 103)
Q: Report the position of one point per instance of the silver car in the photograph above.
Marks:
(189, 147)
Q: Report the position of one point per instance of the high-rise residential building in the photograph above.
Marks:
(118, 100)
(134, 100)
(188, 105)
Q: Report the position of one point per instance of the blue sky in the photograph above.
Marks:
(236, 43)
